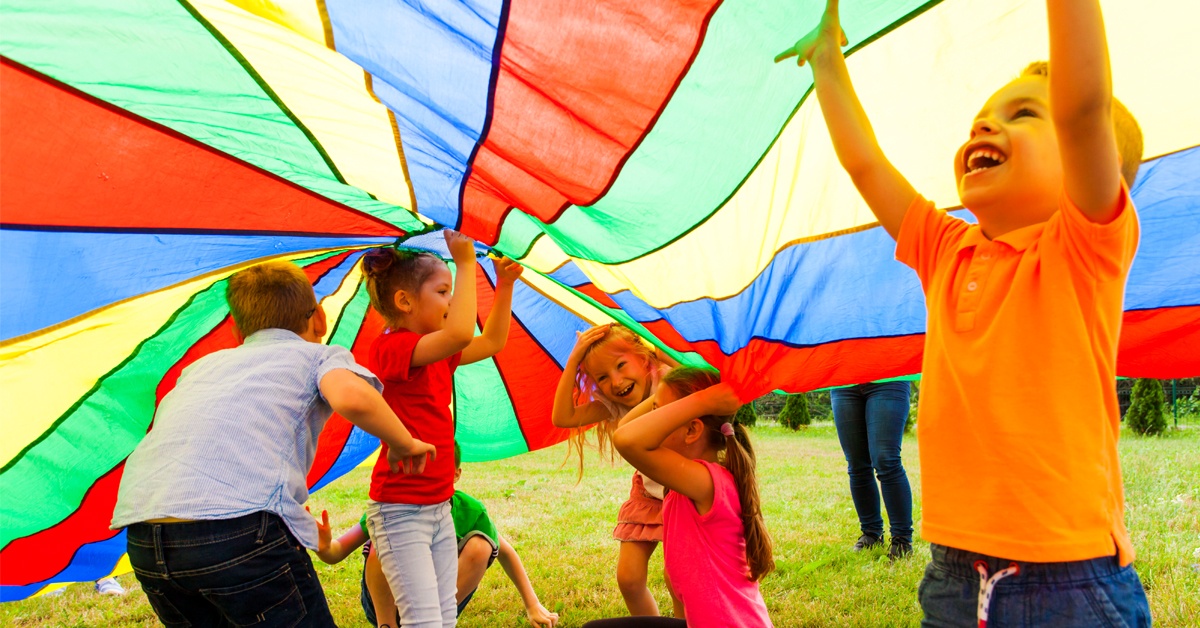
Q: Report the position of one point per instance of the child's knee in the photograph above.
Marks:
(476, 551)
(630, 578)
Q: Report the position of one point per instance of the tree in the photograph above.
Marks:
(746, 415)
(1147, 405)
(795, 412)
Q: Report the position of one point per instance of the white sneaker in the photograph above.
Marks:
(109, 586)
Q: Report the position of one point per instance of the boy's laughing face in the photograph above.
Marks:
(1011, 162)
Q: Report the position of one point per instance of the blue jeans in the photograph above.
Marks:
(227, 572)
(870, 422)
(1079, 594)
(418, 552)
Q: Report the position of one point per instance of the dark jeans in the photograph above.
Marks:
(229, 572)
(1079, 594)
(870, 422)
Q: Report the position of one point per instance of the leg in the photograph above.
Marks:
(632, 565)
(403, 537)
(676, 603)
(473, 560)
(886, 414)
(849, 417)
(378, 602)
(445, 563)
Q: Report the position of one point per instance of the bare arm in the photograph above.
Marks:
(565, 413)
(1081, 107)
(640, 442)
(885, 190)
(331, 551)
(639, 410)
(495, 330)
(460, 320)
(511, 562)
(352, 397)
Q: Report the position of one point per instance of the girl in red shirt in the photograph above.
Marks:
(430, 316)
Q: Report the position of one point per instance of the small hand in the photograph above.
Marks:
(462, 248)
(827, 32)
(540, 617)
(324, 533)
(586, 339)
(507, 270)
(412, 459)
(720, 400)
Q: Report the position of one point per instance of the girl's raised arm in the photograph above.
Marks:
(565, 413)
(460, 320)
(641, 442)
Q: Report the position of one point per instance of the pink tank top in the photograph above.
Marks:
(706, 558)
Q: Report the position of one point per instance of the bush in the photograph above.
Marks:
(914, 392)
(1147, 405)
(746, 415)
(795, 412)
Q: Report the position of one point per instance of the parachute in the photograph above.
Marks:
(644, 159)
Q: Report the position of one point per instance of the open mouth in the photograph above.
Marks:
(982, 158)
(624, 391)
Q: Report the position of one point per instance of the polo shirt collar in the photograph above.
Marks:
(1018, 239)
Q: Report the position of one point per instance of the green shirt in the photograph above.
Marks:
(469, 514)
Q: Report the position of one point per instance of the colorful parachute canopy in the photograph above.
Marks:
(645, 160)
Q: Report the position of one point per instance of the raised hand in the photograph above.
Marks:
(828, 33)
(720, 400)
(324, 533)
(507, 270)
(588, 338)
(462, 248)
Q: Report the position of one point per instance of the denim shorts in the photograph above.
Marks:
(1081, 594)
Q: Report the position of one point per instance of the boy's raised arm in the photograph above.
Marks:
(352, 397)
(1081, 107)
(885, 190)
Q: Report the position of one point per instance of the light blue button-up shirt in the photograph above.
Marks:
(237, 435)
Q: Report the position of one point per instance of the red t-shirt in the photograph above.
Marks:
(420, 396)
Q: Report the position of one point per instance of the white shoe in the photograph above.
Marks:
(109, 586)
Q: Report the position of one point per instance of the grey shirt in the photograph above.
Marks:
(237, 435)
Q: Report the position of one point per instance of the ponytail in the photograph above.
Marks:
(738, 459)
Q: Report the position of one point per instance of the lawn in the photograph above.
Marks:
(562, 531)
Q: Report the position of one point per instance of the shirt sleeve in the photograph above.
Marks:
(339, 358)
(391, 355)
(1105, 250)
(362, 523)
(925, 235)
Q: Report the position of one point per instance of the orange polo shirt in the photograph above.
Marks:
(1018, 418)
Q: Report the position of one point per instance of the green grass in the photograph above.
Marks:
(563, 532)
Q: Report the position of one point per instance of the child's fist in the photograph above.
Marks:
(507, 270)
(827, 32)
(462, 248)
(720, 400)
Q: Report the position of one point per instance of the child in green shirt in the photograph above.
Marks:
(479, 544)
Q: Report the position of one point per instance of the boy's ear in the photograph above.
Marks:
(319, 323)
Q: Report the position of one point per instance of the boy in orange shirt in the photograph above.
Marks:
(1018, 421)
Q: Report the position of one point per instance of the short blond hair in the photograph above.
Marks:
(270, 295)
(1125, 127)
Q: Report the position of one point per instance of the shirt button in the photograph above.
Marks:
(972, 286)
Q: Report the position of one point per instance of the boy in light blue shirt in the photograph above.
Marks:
(213, 496)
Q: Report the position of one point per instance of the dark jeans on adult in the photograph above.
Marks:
(1078, 594)
(227, 572)
(870, 422)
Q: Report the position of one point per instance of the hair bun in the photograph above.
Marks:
(377, 261)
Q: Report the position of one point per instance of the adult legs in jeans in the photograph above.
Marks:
(418, 551)
(227, 572)
(870, 422)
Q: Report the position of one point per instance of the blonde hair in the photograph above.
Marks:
(389, 270)
(270, 295)
(1125, 127)
(738, 458)
(586, 391)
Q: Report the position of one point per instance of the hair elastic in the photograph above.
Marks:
(727, 428)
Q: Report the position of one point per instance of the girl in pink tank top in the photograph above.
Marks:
(715, 541)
